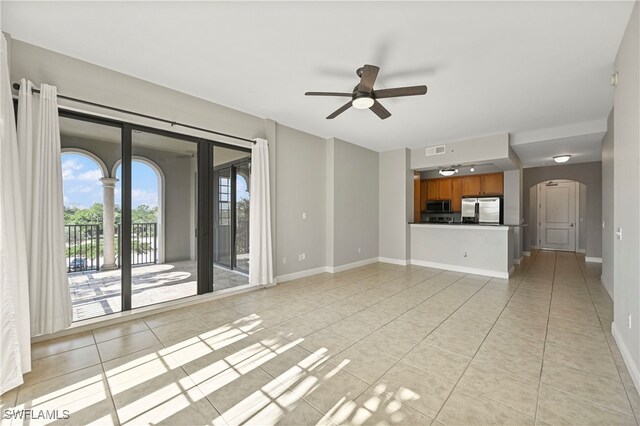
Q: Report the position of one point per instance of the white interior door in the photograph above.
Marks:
(557, 216)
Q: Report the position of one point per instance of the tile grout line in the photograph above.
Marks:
(546, 333)
(106, 380)
(626, 392)
(476, 352)
(358, 341)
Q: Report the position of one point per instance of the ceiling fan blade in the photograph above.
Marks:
(369, 75)
(379, 110)
(328, 94)
(400, 91)
(339, 111)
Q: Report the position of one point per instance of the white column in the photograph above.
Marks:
(108, 223)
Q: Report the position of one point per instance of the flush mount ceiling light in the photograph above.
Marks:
(362, 102)
(561, 158)
(449, 171)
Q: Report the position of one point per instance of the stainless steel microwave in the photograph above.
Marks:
(438, 206)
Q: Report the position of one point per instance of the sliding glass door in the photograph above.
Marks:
(150, 216)
(231, 201)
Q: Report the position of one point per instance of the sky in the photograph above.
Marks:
(82, 187)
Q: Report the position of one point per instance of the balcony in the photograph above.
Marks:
(96, 291)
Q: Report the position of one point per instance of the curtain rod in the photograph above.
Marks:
(16, 86)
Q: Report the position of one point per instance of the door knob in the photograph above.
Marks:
(572, 225)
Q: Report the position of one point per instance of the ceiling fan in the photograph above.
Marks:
(363, 95)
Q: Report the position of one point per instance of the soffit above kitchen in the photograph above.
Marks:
(490, 66)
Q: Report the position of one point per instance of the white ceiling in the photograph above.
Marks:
(490, 66)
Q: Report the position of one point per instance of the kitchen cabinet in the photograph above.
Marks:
(456, 195)
(416, 197)
(492, 184)
(444, 189)
(471, 186)
(423, 194)
(432, 189)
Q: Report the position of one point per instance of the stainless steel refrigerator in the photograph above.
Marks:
(482, 210)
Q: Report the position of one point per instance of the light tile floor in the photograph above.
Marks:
(381, 344)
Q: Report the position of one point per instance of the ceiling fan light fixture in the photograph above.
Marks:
(561, 158)
(363, 102)
(450, 171)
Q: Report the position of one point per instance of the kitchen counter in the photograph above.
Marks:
(482, 249)
(460, 224)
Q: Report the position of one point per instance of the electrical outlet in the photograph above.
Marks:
(304, 215)
(465, 254)
(304, 256)
(629, 320)
(603, 224)
(359, 249)
(619, 233)
(284, 260)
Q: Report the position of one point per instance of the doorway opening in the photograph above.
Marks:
(558, 213)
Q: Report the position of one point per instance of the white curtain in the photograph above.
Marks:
(41, 177)
(15, 350)
(260, 251)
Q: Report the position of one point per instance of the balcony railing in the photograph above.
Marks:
(85, 245)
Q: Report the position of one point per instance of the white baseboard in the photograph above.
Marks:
(301, 274)
(526, 253)
(581, 250)
(518, 261)
(534, 247)
(393, 261)
(593, 259)
(334, 269)
(626, 356)
(465, 269)
(606, 287)
(510, 271)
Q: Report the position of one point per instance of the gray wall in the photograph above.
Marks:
(485, 149)
(608, 235)
(301, 187)
(513, 206)
(395, 204)
(352, 213)
(588, 173)
(626, 196)
(582, 222)
(298, 165)
(462, 171)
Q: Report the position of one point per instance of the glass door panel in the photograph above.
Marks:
(163, 219)
(222, 217)
(91, 216)
(242, 205)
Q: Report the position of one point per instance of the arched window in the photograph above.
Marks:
(81, 174)
(147, 199)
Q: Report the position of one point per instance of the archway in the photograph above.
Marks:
(557, 215)
(83, 176)
(147, 200)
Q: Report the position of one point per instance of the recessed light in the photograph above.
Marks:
(472, 169)
(561, 158)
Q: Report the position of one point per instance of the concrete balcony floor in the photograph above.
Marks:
(97, 293)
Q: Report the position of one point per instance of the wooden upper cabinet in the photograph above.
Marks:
(456, 195)
(444, 189)
(471, 185)
(416, 197)
(423, 194)
(492, 184)
(432, 189)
